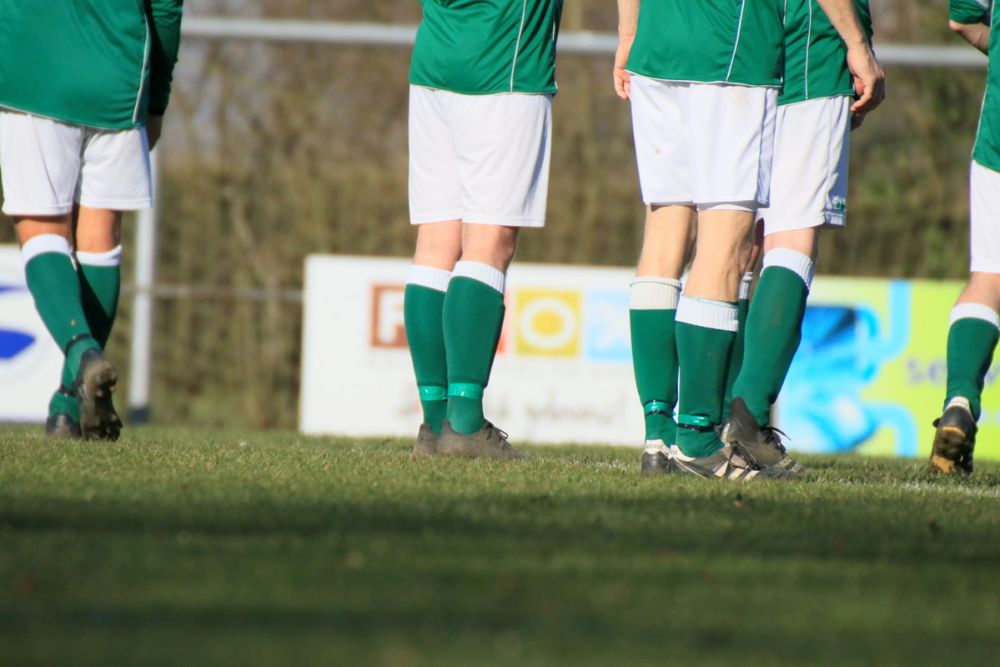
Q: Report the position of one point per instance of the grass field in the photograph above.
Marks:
(174, 547)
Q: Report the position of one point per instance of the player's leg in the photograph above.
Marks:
(973, 333)
(97, 234)
(435, 205)
(732, 134)
(774, 324)
(742, 312)
(40, 169)
(503, 145)
(652, 308)
(473, 318)
(115, 176)
(439, 246)
(808, 192)
(661, 149)
(707, 320)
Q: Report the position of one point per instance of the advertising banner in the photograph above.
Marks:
(30, 361)
(869, 376)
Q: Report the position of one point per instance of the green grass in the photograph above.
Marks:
(184, 548)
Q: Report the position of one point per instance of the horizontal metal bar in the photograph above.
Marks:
(574, 43)
(209, 293)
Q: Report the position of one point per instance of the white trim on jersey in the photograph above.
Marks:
(809, 37)
(517, 46)
(736, 44)
(147, 50)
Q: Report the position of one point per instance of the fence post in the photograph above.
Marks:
(141, 367)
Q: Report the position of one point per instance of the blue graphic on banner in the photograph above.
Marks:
(606, 328)
(843, 350)
(12, 341)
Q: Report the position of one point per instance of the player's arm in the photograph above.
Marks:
(165, 20)
(869, 78)
(976, 34)
(628, 21)
(971, 19)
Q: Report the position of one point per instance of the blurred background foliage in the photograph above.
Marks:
(272, 152)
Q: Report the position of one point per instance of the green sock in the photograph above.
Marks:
(473, 318)
(423, 311)
(653, 305)
(736, 358)
(55, 287)
(100, 278)
(64, 402)
(972, 338)
(774, 330)
(705, 333)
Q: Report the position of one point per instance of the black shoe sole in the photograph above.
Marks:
(98, 419)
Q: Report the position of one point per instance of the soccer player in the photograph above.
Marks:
(482, 80)
(83, 89)
(808, 193)
(703, 80)
(973, 333)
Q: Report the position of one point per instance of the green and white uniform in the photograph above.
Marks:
(482, 79)
(77, 80)
(974, 328)
(484, 47)
(705, 78)
(99, 64)
(711, 41)
(984, 182)
(812, 140)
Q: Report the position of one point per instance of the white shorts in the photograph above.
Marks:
(703, 145)
(47, 165)
(812, 150)
(479, 158)
(984, 207)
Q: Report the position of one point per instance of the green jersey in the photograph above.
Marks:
(99, 63)
(987, 148)
(485, 47)
(709, 41)
(815, 55)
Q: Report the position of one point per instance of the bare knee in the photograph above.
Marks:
(97, 229)
(29, 227)
(804, 241)
(489, 244)
(983, 288)
(668, 241)
(439, 244)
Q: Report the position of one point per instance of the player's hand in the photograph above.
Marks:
(154, 127)
(623, 80)
(869, 79)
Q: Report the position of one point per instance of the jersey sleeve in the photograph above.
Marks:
(165, 17)
(969, 11)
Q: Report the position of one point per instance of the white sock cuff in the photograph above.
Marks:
(110, 258)
(975, 311)
(429, 277)
(798, 263)
(708, 314)
(484, 273)
(42, 244)
(961, 402)
(746, 282)
(654, 293)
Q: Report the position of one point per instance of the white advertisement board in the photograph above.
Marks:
(869, 376)
(30, 362)
(563, 371)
